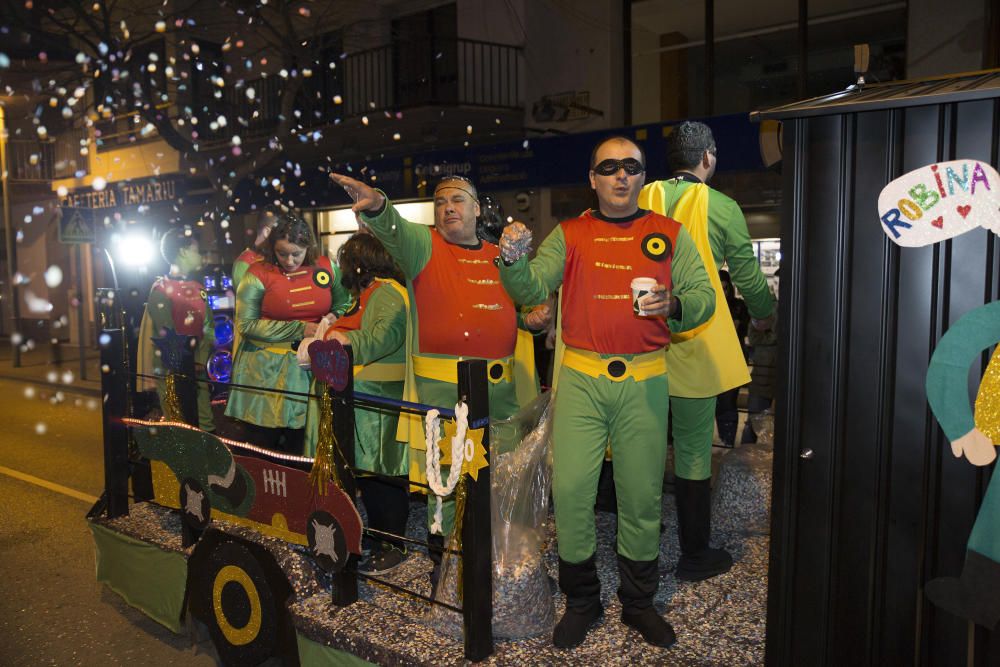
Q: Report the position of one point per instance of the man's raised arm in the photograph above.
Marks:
(408, 243)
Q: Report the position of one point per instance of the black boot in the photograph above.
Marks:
(727, 431)
(638, 581)
(694, 525)
(583, 602)
(973, 595)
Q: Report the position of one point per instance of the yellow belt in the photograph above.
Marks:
(445, 369)
(640, 367)
(283, 349)
(380, 372)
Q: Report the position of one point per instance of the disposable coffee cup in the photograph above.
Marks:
(640, 288)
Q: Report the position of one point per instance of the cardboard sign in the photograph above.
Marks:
(940, 201)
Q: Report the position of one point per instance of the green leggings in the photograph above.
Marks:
(694, 426)
(632, 416)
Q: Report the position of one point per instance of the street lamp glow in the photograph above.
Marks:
(135, 250)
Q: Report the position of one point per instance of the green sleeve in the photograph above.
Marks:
(948, 372)
(409, 243)
(239, 270)
(249, 297)
(534, 281)
(691, 285)
(342, 298)
(383, 327)
(743, 265)
(161, 313)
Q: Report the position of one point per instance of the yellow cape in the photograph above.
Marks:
(708, 359)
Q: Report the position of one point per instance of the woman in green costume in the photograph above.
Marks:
(280, 301)
(375, 328)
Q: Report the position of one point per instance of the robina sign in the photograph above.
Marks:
(940, 201)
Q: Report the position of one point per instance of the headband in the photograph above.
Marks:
(456, 187)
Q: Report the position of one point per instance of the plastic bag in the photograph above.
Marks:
(520, 479)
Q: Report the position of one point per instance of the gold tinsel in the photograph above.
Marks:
(456, 533)
(171, 400)
(324, 466)
(988, 400)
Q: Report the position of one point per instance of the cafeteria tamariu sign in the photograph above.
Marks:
(126, 194)
(940, 201)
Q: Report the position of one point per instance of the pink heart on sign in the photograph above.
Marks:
(963, 210)
(938, 221)
(330, 363)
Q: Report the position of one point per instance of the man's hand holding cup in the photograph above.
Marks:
(651, 299)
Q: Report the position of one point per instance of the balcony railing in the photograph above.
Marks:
(43, 161)
(456, 72)
(432, 72)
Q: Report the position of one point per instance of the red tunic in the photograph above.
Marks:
(463, 310)
(351, 321)
(187, 304)
(602, 258)
(302, 295)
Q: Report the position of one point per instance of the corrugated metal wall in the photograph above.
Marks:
(881, 506)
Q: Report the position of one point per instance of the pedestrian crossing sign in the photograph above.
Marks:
(77, 226)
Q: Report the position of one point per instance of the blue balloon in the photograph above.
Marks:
(224, 330)
(220, 366)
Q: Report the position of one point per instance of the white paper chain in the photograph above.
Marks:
(462, 449)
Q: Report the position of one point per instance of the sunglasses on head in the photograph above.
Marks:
(610, 167)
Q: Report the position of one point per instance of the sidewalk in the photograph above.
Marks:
(60, 371)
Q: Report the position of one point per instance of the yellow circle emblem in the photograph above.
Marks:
(322, 278)
(656, 247)
(246, 634)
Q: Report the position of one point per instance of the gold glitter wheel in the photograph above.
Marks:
(238, 592)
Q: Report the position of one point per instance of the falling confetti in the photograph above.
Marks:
(53, 276)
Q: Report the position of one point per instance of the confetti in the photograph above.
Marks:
(53, 276)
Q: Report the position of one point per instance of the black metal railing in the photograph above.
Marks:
(31, 160)
(402, 75)
(432, 72)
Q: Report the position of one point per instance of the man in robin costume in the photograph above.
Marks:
(458, 307)
(708, 360)
(611, 377)
(176, 310)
